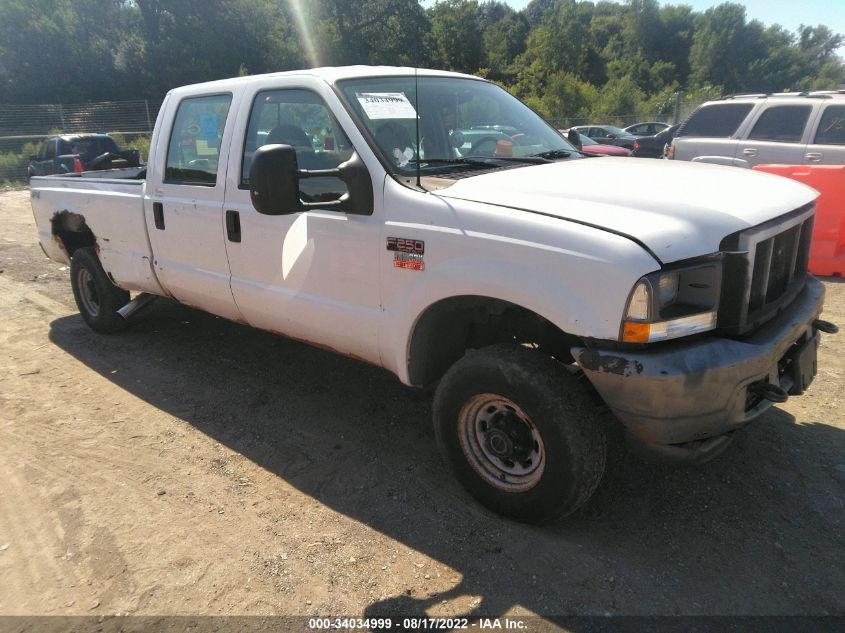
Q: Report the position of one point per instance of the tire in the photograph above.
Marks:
(520, 432)
(97, 298)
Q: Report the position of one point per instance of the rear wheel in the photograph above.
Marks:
(520, 431)
(97, 298)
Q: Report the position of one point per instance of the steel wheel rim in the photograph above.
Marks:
(88, 292)
(501, 443)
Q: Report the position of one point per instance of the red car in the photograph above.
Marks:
(586, 145)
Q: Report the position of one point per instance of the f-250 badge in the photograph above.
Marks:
(407, 253)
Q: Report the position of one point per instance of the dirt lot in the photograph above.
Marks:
(195, 466)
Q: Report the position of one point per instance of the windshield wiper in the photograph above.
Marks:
(554, 153)
(450, 161)
(482, 161)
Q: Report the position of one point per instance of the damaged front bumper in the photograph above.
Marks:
(681, 392)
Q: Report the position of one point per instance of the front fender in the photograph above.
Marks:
(576, 277)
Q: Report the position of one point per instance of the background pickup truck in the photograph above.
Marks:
(80, 152)
(346, 207)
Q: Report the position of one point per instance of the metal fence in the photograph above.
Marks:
(22, 127)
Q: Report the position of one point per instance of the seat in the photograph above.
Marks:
(288, 134)
(394, 140)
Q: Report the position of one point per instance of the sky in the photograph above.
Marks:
(788, 13)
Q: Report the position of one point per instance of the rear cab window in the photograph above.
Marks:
(91, 147)
(782, 123)
(193, 150)
(720, 120)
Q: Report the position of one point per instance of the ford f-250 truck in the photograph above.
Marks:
(360, 210)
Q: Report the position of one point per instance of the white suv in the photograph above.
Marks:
(748, 130)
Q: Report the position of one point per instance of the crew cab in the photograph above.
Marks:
(345, 208)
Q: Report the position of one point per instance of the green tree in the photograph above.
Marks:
(59, 50)
(370, 32)
(456, 35)
(504, 41)
(724, 45)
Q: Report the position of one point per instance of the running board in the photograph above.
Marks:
(136, 304)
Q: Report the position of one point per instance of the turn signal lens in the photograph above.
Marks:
(634, 332)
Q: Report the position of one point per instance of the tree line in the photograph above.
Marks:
(565, 58)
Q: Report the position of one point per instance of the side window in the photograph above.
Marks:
(50, 149)
(832, 126)
(194, 150)
(716, 121)
(301, 119)
(781, 123)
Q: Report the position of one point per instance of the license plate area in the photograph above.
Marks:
(801, 365)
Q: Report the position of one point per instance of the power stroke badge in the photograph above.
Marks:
(407, 253)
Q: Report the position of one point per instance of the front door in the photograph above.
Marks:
(183, 205)
(309, 275)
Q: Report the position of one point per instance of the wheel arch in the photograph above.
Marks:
(72, 232)
(449, 327)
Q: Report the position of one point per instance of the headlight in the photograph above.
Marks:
(672, 303)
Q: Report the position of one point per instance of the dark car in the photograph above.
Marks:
(607, 135)
(653, 146)
(80, 152)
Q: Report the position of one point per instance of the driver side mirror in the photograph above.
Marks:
(574, 138)
(274, 177)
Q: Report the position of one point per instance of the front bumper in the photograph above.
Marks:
(678, 392)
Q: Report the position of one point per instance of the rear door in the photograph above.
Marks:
(777, 136)
(827, 140)
(184, 202)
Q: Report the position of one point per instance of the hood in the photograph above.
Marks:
(677, 209)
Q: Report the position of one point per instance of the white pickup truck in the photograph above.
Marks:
(430, 223)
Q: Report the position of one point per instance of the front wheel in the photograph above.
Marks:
(97, 298)
(520, 432)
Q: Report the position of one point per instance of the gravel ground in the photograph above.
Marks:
(191, 465)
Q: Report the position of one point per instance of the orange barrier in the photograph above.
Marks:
(827, 249)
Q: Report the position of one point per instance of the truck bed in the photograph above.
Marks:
(103, 209)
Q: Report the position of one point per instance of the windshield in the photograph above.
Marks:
(463, 123)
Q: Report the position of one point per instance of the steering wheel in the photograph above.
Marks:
(482, 141)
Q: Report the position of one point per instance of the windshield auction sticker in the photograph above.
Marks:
(386, 105)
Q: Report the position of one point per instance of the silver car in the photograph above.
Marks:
(749, 130)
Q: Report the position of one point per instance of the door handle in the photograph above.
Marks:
(158, 215)
(233, 226)
(813, 157)
(749, 151)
